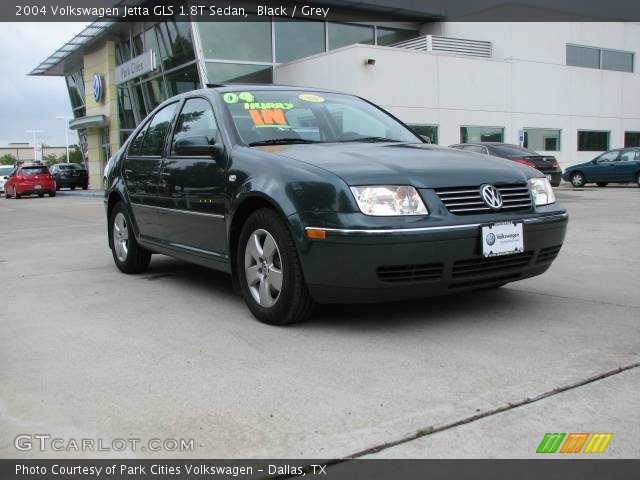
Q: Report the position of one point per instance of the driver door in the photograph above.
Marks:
(192, 187)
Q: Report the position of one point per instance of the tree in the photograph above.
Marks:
(7, 159)
(50, 159)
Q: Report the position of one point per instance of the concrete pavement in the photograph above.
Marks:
(173, 353)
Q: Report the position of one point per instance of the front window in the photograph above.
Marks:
(281, 116)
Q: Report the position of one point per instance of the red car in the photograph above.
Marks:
(29, 179)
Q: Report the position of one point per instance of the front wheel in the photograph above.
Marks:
(269, 271)
(578, 180)
(128, 256)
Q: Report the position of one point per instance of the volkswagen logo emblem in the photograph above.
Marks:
(491, 197)
(97, 87)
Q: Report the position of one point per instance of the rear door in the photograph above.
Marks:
(628, 167)
(192, 187)
(141, 170)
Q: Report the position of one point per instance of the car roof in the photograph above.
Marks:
(27, 165)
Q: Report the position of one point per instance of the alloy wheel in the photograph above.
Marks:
(577, 180)
(120, 237)
(263, 268)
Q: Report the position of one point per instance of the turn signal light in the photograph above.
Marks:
(316, 234)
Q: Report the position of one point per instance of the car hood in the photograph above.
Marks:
(579, 165)
(420, 165)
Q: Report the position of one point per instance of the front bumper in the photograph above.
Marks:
(376, 265)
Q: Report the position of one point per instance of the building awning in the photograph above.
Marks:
(93, 121)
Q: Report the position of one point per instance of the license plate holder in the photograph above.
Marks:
(503, 238)
(37, 187)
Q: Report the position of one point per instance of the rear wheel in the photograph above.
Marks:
(602, 184)
(269, 271)
(52, 193)
(73, 187)
(577, 179)
(128, 256)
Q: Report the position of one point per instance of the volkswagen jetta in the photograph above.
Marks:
(308, 196)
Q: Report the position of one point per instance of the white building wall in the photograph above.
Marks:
(534, 90)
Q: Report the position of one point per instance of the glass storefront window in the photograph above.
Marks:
(298, 39)
(341, 34)
(138, 47)
(125, 109)
(632, 139)
(249, 41)
(75, 85)
(239, 73)
(154, 93)
(429, 131)
(542, 139)
(176, 46)
(481, 134)
(183, 80)
(388, 36)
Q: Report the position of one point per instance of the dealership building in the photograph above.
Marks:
(568, 89)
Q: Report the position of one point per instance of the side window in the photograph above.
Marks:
(157, 131)
(608, 157)
(629, 156)
(136, 143)
(196, 120)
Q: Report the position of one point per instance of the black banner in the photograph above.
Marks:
(318, 469)
(419, 11)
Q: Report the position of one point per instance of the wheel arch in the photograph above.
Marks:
(113, 198)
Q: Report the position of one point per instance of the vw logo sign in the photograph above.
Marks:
(97, 87)
(491, 197)
(491, 239)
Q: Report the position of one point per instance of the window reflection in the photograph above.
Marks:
(341, 34)
(298, 39)
(238, 73)
(249, 41)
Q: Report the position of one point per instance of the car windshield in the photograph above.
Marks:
(264, 117)
(34, 170)
(512, 150)
(5, 170)
(71, 166)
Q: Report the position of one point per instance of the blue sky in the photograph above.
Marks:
(32, 103)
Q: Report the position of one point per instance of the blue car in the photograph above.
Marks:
(621, 165)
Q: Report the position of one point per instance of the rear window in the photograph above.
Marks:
(34, 170)
(512, 150)
(71, 166)
(6, 170)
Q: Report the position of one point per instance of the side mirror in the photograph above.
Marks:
(197, 145)
(594, 161)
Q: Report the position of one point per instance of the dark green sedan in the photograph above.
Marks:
(307, 196)
(615, 166)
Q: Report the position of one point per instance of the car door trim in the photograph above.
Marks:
(178, 210)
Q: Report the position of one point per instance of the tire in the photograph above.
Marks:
(52, 194)
(16, 195)
(84, 187)
(57, 188)
(602, 184)
(73, 187)
(258, 276)
(128, 256)
(6, 194)
(638, 179)
(41, 195)
(577, 180)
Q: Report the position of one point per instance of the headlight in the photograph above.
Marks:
(389, 200)
(541, 191)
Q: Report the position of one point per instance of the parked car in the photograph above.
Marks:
(547, 164)
(30, 179)
(316, 196)
(70, 175)
(619, 165)
(5, 171)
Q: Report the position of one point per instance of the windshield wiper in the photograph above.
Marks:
(281, 141)
(372, 139)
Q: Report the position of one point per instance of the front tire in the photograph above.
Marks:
(269, 271)
(128, 256)
(578, 180)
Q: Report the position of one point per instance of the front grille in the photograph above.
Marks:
(548, 254)
(410, 273)
(468, 201)
(474, 267)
